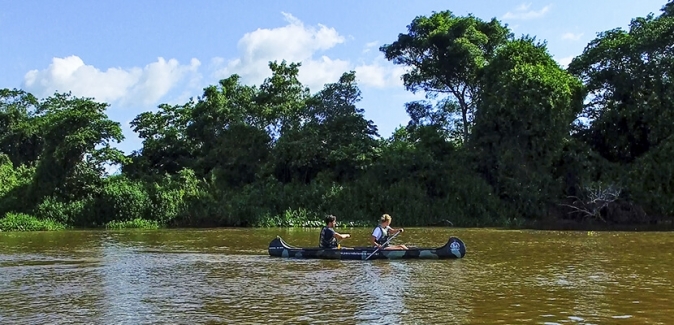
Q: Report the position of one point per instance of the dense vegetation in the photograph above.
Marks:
(505, 137)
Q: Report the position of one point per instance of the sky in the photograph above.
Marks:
(136, 55)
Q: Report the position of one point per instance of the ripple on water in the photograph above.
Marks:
(507, 277)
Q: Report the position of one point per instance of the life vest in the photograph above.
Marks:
(324, 242)
(384, 236)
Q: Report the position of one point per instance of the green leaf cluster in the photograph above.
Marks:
(505, 136)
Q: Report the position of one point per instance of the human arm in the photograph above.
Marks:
(394, 230)
(340, 236)
(373, 240)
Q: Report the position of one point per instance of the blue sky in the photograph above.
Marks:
(136, 55)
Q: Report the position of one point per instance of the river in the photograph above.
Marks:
(225, 276)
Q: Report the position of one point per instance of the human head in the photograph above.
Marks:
(330, 220)
(385, 220)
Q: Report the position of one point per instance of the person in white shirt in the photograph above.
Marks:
(383, 232)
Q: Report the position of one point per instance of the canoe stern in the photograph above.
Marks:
(278, 247)
(455, 248)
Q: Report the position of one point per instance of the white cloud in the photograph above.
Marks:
(142, 87)
(316, 73)
(572, 36)
(296, 42)
(133, 85)
(522, 12)
(523, 7)
(564, 62)
(379, 74)
(158, 78)
(369, 46)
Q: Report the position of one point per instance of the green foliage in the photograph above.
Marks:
(522, 122)
(19, 135)
(668, 9)
(66, 212)
(446, 55)
(137, 223)
(120, 200)
(651, 180)
(24, 222)
(169, 196)
(292, 218)
(14, 185)
(76, 136)
(165, 148)
(629, 75)
(515, 140)
(8, 177)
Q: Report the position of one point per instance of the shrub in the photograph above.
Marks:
(24, 222)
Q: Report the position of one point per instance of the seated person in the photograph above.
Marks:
(329, 236)
(381, 234)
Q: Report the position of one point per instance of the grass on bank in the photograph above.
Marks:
(305, 219)
(137, 223)
(300, 218)
(24, 222)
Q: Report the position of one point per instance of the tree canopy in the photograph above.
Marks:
(506, 137)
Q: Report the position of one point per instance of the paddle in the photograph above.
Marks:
(385, 243)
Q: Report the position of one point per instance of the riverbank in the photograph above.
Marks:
(23, 222)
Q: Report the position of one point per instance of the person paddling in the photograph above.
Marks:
(380, 234)
(328, 237)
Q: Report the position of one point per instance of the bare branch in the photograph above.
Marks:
(596, 198)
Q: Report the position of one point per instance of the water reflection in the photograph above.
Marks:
(224, 276)
(381, 284)
(261, 290)
(126, 284)
(441, 292)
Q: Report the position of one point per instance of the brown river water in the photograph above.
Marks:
(225, 276)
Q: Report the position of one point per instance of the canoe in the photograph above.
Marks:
(454, 248)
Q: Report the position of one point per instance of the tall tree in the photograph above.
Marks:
(166, 146)
(228, 131)
(334, 137)
(629, 76)
(20, 137)
(281, 99)
(445, 54)
(77, 146)
(524, 116)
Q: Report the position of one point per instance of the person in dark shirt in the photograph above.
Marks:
(329, 236)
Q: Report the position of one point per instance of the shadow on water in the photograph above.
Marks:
(225, 276)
